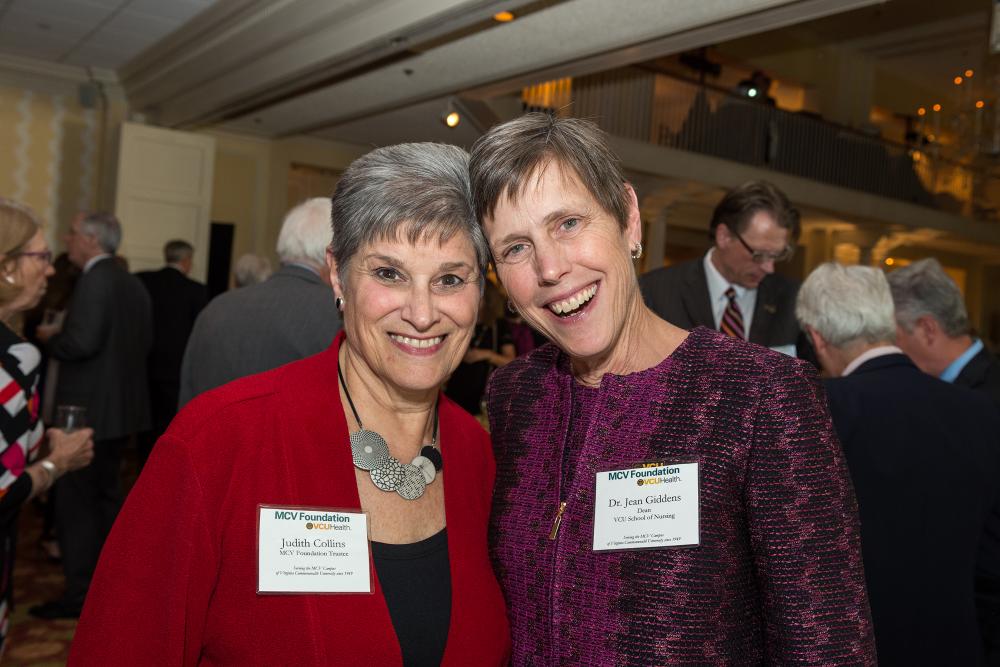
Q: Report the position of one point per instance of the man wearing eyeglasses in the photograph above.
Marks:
(734, 288)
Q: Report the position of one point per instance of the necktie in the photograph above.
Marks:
(732, 317)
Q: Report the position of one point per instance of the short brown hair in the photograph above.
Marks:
(18, 224)
(509, 154)
(740, 204)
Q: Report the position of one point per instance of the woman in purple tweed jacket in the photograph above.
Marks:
(747, 552)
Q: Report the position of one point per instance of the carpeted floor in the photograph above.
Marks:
(33, 642)
(36, 579)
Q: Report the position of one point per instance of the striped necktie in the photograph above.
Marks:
(732, 317)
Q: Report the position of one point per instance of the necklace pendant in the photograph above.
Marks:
(426, 467)
(389, 476)
(433, 454)
(413, 484)
(369, 450)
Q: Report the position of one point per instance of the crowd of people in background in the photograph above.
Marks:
(576, 365)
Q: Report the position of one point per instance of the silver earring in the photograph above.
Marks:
(511, 307)
(339, 303)
(637, 250)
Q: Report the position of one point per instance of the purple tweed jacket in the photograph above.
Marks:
(777, 578)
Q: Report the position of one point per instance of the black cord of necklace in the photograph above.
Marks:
(350, 402)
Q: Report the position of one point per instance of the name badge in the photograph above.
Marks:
(651, 506)
(309, 550)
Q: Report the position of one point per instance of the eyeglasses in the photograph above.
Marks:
(44, 255)
(761, 256)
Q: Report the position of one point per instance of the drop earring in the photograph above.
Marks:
(339, 303)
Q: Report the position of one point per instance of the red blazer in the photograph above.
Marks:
(177, 578)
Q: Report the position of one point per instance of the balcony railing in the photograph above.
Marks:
(677, 113)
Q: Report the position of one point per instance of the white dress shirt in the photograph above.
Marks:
(746, 299)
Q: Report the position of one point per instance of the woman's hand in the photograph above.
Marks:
(71, 451)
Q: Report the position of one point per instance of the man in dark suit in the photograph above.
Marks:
(734, 288)
(177, 300)
(289, 316)
(933, 329)
(924, 457)
(102, 351)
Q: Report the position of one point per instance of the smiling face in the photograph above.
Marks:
(735, 262)
(409, 309)
(31, 273)
(565, 262)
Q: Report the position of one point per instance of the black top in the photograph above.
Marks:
(416, 582)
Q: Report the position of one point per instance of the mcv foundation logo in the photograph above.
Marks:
(648, 476)
(314, 521)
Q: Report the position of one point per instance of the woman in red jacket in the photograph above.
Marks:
(246, 540)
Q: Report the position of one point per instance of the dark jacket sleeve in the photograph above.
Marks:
(86, 326)
(804, 529)
(988, 585)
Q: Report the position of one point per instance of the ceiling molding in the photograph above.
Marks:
(56, 78)
(240, 55)
(57, 71)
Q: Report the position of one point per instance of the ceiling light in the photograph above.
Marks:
(958, 80)
(921, 111)
(889, 261)
(450, 116)
(980, 104)
(936, 107)
(969, 73)
(752, 92)
(503, 17)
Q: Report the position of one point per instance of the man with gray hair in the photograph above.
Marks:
(177, 300)
(924, 457)
(934, 329)
(251, 269)
(102, 350)
(289, 316)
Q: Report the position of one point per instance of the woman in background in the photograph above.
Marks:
(25, 265)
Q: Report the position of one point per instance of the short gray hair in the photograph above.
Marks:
(104, 227)
(845, 304)
(177, 250)
(923, 288)
(251, 269)
(505, 158)
(419, 188)
(305, 233)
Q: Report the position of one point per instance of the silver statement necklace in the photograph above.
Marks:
(371, 453)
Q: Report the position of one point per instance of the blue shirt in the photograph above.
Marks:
(954, 368)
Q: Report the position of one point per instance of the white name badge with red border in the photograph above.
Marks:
(312, 550)
(649, 506)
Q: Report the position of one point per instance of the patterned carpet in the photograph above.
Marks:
(36, 579)
(33, 642)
